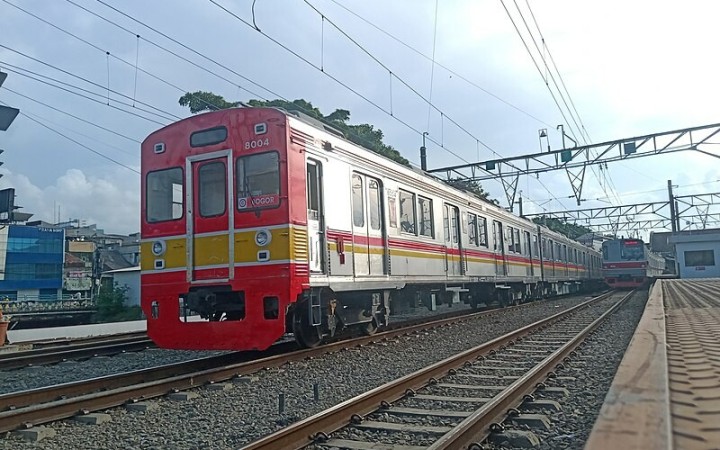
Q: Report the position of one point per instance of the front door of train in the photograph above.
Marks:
(453, 255)
(209, 212)
(369, 247)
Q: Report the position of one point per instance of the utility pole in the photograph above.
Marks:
(423, 153)
(519, 203)
(673, 212)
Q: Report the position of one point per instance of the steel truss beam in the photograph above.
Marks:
(578, 158)
(696, 211)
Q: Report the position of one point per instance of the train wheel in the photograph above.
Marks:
(306, 335)
(369, 328)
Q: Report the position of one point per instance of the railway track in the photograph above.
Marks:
(37, 406)
(456, 403)
(50, 353)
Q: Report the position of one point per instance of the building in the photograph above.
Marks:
(697, 253)
(78, 276)
(128, 278)
(31, 262)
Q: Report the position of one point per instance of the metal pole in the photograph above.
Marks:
(423, 153)
(672, 207)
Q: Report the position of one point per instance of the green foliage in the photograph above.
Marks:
(112, 308)
(205, 101)
(570, 230)
(472, 187)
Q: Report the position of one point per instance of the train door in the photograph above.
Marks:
(315, 216)
(369, 247)
(210, 218)
(453, 254)
(528, 253)
(499, 247)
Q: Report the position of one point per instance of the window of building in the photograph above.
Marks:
(212, 189)
(358, 208)
(407, 212)
(425, 210)
(164, 195)
(694, 258)
(258, 180)
(472, 229)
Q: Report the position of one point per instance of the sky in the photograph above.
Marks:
(90, 89)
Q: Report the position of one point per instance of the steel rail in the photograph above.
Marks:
(49, 355)
(34, 407)
(302, 433)
(476, 427)
(67, 341)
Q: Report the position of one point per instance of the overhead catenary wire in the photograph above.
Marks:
(71, 115)
(102, 155)
(438, 64)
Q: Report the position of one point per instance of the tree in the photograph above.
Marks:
(570, 230)
(205, 101)
(111, 305)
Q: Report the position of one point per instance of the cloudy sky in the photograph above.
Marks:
(90, 90)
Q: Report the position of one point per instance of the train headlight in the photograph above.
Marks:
(263, 238)
(158, 248)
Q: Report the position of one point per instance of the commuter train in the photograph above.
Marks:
(628, 263)
(257, 222)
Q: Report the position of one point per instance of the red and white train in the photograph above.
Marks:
(628, 263)
(263, 222)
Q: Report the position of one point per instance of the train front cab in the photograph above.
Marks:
(219, 266)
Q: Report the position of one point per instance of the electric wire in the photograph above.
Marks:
(432, 64)
(102, 155)
(87, 97)
(72, 115)
(310, 63)
(108, 54)
(404, 83)
(444, 67)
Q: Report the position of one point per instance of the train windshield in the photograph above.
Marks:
(164, 195)
(632, 251)
(258, 181)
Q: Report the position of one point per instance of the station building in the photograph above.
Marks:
(31, 262)
(697, 253)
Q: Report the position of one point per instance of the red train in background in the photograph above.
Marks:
(628, 263)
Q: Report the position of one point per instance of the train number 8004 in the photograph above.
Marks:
(257, 143)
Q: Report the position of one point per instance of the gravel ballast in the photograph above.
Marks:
(248, 411)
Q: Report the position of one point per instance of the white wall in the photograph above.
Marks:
(132, 281)
(699, 271)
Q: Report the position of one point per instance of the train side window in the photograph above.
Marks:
(407, 212)
(536, 250)
(482, 231)
(164, 195)
(392, 211)
(526, 235)
(472, 229)
(212, 189)
(358, 208)
(516, 240)
(374, 204)
(425, 208)
(258, 180)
